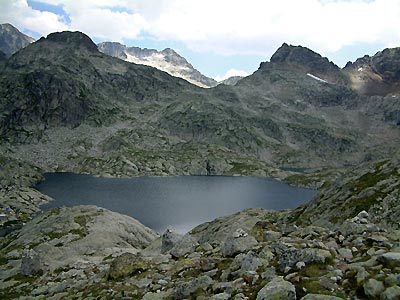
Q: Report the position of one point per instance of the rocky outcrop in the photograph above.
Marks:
(376, 75)
(12, 40)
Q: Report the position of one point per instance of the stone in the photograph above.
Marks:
(235, 245)
(221, 296)
(345, 253)
(363, 215)
(126, 265)
(240, 296)
(373, 288)
(169, 240)
(185, 289)
(271, 236)
(185, 246)
(277, 289)
(251, 262)
(393, 279)
(31, 264)
(157, 296)
(320, 297)
(390, 259)
(391, 293)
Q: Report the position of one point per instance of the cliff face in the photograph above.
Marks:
(12, 40)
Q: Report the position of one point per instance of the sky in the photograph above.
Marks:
(220, 38)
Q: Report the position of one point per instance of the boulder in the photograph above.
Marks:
(235, 245)
(391, 293)
(373, 288)
(320, 297)
(390, 259)
(169, 240)
(126, 265)
(277, 289)
(185, 289)
(221, 296)
(185, 246)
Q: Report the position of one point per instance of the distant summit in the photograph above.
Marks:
(166, 60)
(72, 39)
(12, 40)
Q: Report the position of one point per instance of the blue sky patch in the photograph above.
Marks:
(56, 9)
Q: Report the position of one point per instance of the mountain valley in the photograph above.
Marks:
(65, 106)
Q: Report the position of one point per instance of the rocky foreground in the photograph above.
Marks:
(88, 252)
(344, 244)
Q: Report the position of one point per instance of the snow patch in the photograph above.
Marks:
(316, 78)
(360, 69)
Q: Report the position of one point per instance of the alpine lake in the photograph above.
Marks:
(180, 203)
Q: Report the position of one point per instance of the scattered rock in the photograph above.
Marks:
(391, 293)
(235, 245)
(390, 258)
(320, 297)
(277, 289)
(127, 264)
(373, 288)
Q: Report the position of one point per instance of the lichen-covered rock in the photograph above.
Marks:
(277, 289)
(221, 296)
(373, 288)
(320, 297)
(126, 265)
(390, 258)
(235, 245)
(391, 293)
(183, 290)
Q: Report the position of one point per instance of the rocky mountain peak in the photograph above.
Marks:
(72, 39)
(303, 56)
(12, 40)
(376, 75)
(167, 60)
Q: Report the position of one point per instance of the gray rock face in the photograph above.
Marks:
(391, 293)
(185, 289)
(233, 246)
(31, 264)
(12, 40)
(277, 289)
(186, 245)
(83, 233)
(390, 258)
(169, 240)
(373, 288)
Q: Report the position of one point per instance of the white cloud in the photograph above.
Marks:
(224, 26)
(230, 73)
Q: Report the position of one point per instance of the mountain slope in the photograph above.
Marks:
(166, 60)
(128, 119)
(12, 40)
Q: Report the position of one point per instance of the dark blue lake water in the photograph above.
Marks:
(180, 202)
